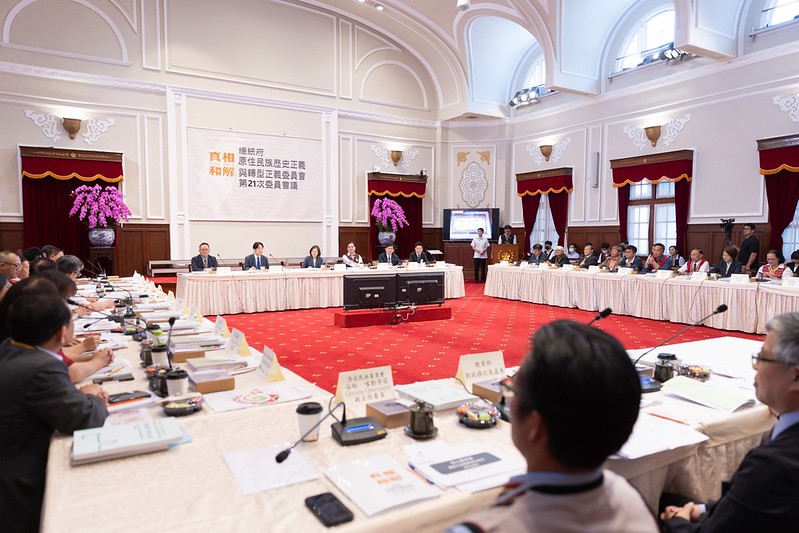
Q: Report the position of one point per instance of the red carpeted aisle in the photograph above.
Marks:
(308, 343)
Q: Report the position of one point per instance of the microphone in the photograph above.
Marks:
(720, 309)
(602, 314)
(221, 263)
(282, 456)
(275, 258)
(169, 342)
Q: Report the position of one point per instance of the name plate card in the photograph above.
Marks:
(220, 327)
(790, 281)
(382, 266)
(739, 278)
(503, 263)
(441, 264)
(275, 268)
(698, 276)
(664, 274)
(593, 268)
(624, 271)
(237, 343)
(223, 270)
(339, 266)
(524, 264)
(481, 367)
(365, 385)
(566, 268)
(269, 367)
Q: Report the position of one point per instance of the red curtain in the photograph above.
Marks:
(67, 169)
(780, 169)
(408, 194)
(558, 187)
(677, 168)
(559, 205)
(46, 204)
(530, 205)
(624, 203)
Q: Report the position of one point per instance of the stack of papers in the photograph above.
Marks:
(110, 442)
(441, 394)
(653, 434)
(468, 467)
(379, 483)
(709, 394)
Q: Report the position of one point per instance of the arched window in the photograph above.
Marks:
(779, 11)
(656, 32)
(537, 73)
(544, 227)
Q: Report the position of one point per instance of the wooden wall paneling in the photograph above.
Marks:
(460, 253)
(710, 238)
(12, 236)
(360, 236)
(596, 235)
(139, 243)
(433, 238)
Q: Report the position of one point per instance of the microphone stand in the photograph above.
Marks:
(602, 314)
(282, 456)
(169, 342)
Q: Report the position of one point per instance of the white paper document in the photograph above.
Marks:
(465, 464)
(267, 394)
(377, 484)
(256, 470)
(710, 394)
(653, 434)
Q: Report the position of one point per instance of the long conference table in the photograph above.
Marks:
(678, 299)
(290, 288)
(190, 487)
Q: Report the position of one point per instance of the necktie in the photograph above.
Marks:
(257, 263)
(205, 262)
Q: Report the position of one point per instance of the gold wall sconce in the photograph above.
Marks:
(546, 151)
(72, 126)
(653, 134)
(396, 155)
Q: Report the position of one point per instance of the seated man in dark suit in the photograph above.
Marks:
(560, 258)
(256, 260)
(204, 260)
(566, 435)
(763, 494)
(537, 255)
(589, 258)
(389, 256)
(420, 255)
(631, 260)
(37, 397)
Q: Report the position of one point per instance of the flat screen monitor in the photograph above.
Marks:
(462, 224)
(370, 291)
(420, 288)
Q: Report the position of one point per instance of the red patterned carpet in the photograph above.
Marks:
(308, 343)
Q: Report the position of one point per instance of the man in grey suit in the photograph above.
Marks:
(37, 397)
(389, 256)
(204, 260)
(256, 260)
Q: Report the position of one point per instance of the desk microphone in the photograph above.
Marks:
(221, 262)
(720, 309)
(282, 263)
(282, 456)
(602, 314)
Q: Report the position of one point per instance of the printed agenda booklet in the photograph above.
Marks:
(111, 442)
(377, 484)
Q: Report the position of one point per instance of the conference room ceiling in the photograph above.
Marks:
(484, 52)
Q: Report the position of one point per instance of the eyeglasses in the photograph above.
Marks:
(16, 266)
(508, 389)
(757, 359)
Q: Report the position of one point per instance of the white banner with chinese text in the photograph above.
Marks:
(242, 176)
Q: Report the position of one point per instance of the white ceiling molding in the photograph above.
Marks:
(788, 104)
(48, 122)
(96, 127)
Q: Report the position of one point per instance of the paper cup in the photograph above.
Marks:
(308, 414)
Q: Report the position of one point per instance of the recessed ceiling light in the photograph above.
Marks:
(379, 7)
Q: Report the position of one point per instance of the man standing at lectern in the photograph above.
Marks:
(204, 259)
(507, 237)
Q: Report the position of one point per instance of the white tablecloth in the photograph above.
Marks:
(678, 299)
(190, 488)
(255, 292)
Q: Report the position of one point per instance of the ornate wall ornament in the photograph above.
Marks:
(557, 151)
(789, 104)
(96, 127)
(461, 157)
(383, 154)
(407, 157)
(473, 184)
(485, 156)
(48, 122)
(670, 130)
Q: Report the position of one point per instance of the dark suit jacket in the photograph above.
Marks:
(735, 268)
(425, 257)
(249, 262)
(636, 265)
(197, 263)
(383, 258)
(763, 494)
(559, 260)
(587, 261)
(542, 258)
(36, 397)
(309, 262)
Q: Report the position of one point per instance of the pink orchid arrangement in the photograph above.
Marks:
(388, 214)
(99, 207)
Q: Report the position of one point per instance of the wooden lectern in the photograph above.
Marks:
(505, 252)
